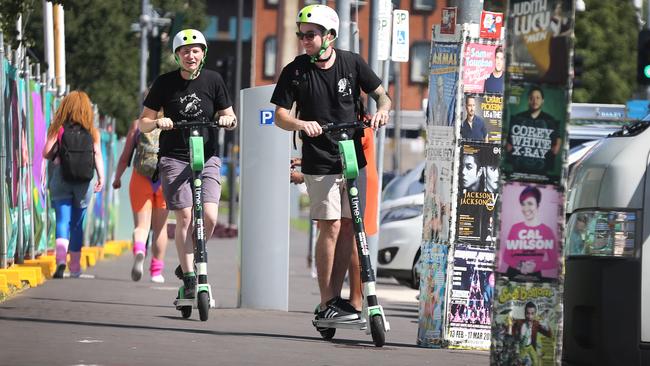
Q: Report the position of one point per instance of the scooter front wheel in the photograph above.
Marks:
(203, 303)
(378, 330)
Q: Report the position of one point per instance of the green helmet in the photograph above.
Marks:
(322, 15)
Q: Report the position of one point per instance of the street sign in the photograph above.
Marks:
(267, 117)
(383, 31)
(400, 45)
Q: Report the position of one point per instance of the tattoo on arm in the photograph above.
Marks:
(381, 97)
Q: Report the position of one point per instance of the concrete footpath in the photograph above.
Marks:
(104, 318)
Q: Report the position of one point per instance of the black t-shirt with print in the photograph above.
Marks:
(191, 100)
(326, 96)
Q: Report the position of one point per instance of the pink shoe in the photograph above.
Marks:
(156, 269)
(75, 264)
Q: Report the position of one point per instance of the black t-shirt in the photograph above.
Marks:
(326, 96)
(191, 100)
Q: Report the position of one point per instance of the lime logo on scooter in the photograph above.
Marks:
(198, 194)
(354, 192)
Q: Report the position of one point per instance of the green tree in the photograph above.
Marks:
(102, 53)
(606, 37)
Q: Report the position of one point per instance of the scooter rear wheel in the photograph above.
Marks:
(378, 330)
(203, 305)
(186, 311)
(327, 333)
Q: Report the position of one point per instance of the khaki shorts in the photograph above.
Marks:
(328, 195)
(176, 176)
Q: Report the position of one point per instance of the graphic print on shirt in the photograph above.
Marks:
(345, 87)
(192, 106)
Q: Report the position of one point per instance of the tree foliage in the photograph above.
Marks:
(606, 37)
(103, 53)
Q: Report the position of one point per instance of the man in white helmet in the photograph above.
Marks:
(194, 94)
(325, 83)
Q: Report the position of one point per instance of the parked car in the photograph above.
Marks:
(406, 184)
(400, 235)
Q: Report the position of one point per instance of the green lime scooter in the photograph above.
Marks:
(372, 312)
(203, 299)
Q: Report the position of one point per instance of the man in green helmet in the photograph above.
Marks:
(325, 83)
(192, 94)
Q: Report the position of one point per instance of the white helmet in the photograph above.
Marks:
(322, 15)
(188, 36)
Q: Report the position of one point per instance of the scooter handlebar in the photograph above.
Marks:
(195, 124)
(331, 127)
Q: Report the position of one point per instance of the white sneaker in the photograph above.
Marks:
(138, 263)
(75, 274)
(158, 279)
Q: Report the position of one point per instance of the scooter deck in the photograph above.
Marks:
(350, 324)
(192, 303)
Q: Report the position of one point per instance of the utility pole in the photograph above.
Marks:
(647, 26)
(48, 35)
(149, 22)
(469, 11)
(59, 48)
(343, 10)
(234, 153)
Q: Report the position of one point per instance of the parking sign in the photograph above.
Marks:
(383, 31)
(400, 46)
(267, 116)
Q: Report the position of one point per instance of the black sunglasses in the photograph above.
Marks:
(309, 35)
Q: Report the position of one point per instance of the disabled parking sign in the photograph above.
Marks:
(400, 45)
(267, 117)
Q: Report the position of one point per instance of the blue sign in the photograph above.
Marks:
(401, 37)
(267, 117)
(637, 109)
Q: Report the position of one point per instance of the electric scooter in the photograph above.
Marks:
(203, 299)
(372, 313)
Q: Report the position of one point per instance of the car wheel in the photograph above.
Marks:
(415, 272)
(414, 280)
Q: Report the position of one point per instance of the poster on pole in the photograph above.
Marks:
(438, 178)
(448, 23)
(482, 118)
(529, 241)
(491, 24)
(433, 282)
(472, 293)
(539, 35)
(478, 193)
(526, 324)
(443, 83)
(478, 64)
(535, 126)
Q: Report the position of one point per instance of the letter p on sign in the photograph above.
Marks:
(266, 117)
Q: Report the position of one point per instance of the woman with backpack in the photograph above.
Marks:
(147, 201)
(74, 147)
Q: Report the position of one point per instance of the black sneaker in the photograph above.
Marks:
(334, 312)
(60, 268)
(345, 305)
(179, 271)
(189, 287)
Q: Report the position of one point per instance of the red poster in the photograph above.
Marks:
(448, 23)
(491, 24)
